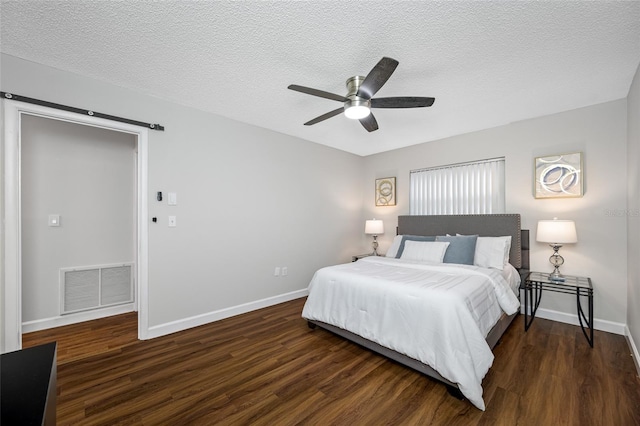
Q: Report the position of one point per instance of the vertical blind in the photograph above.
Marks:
(469, 188)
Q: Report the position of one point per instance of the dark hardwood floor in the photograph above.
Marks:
(268, 368)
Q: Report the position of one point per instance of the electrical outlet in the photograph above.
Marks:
(276, 271)
(285, 271)
(54, 220)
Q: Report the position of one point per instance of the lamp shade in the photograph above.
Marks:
(374, 227)
(557, 231)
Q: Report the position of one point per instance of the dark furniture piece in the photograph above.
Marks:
(494, 225)
(28, 386)
(534, 284)
(360, 256)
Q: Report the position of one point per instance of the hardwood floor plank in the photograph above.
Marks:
(426, 402)
(113, 332)
(391, 383)
(558, 356)
(268, 368)
(502, 409)
(304, 401)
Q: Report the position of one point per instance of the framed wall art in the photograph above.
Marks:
(559, 176)
(386, 191)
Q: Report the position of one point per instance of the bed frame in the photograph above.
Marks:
(493, 225)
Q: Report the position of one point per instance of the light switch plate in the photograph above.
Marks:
(172, 222)
(173, 199)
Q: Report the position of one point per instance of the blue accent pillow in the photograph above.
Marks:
(411, 238)
(461, 250)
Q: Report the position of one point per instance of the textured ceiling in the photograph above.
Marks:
(486, 63)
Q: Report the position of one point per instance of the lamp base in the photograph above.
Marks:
(556, 276)
(375, 246)
(556, 279)
(557, 261)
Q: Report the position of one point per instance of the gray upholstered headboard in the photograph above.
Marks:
(485, 225)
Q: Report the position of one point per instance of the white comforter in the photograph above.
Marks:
(439, 314)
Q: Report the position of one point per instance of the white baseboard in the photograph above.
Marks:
(634, 350)
(46, 323)
(598, 324)
(198, 320)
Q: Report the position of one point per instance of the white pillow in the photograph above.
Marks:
(395, 245)
(424, 251)
(492, 252)
(513, 277)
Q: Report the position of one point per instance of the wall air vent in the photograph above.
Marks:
(94, 287)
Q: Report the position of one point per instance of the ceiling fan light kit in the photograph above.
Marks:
(359, 99)
(356, 107)
(355, 111)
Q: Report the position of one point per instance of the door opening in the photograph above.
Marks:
(15, 113)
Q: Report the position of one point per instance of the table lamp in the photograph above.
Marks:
(374, 227)
(556, 233)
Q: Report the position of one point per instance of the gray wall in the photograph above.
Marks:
(249, 199)
(87, 176)
(633, 206)
(599, 132)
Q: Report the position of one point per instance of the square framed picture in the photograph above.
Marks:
(386, 191)
(559, 176)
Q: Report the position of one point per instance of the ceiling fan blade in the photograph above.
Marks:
(316, 92)
(402, 102)
(325, 116)
(377, 77)
(369, 123)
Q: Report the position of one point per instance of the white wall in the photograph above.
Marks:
(2, 214)
(633, 211)
(87, 176)
(599, 132)
(249, 199)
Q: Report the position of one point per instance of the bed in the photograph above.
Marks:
(425, 314)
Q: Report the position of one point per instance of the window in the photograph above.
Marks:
(467, 188)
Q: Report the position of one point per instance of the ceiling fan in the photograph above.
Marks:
(359, 99)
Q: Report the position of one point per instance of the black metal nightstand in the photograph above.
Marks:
(360, 256)
(536, 282)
